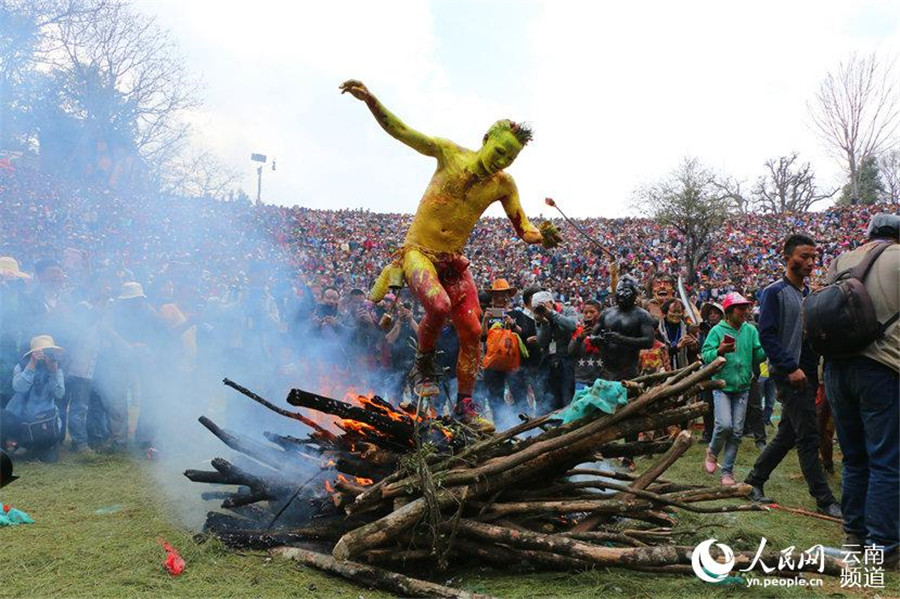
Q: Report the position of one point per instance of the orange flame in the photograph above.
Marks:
(368, 403)
(358, 480)
(356, 426)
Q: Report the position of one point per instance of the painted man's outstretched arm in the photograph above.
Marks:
(389, 122)
(524, 229)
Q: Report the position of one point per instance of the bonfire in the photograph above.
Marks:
(404, 488)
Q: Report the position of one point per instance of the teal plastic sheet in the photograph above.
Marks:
(605, 396)
(10, 516)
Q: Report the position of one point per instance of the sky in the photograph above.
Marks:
(617, 93)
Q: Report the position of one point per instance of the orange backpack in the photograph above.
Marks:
(502, 350)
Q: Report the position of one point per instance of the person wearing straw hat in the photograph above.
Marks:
(12, 291)
(31, 418)
(9, 269)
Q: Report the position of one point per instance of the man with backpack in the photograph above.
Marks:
(863, 390)
(793, 366)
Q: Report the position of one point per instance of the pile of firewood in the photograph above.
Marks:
(407, 489)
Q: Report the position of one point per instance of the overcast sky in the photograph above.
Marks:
(617, 93)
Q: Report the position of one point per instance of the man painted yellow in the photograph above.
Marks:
(464, 184)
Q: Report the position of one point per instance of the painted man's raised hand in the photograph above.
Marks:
(356, 88)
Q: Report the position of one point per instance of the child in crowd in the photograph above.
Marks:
(738, 342)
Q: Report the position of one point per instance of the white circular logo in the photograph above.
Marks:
(705, 565)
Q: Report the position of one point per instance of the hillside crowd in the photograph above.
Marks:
(112, 301)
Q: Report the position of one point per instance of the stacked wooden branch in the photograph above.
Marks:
(440, 493)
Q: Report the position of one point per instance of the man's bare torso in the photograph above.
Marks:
(453, 202)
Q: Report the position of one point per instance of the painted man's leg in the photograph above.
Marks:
(424, 283)
(466, 315)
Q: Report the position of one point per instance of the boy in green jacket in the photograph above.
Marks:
(739, 343)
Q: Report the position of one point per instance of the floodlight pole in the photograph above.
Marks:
(259, 170)
(258, 158)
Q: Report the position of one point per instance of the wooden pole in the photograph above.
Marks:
(368, 575)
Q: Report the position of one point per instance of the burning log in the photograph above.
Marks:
(323, 433)
(360, 467)
(268, 455)
(401, 428)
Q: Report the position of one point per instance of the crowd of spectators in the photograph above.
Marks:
(115, 303)
(134, 284)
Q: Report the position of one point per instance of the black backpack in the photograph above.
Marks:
(839, 318)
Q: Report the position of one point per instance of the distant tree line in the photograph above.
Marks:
(857, 114)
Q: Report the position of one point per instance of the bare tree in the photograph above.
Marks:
(857, 112)
(200, 175)
(25, 42)
(889, 169)
(787, 186)
(730, 190)
(692, 201)
(121, 73)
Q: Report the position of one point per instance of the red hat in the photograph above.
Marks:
(734, 299)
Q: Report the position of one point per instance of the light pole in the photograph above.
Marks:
(258, 158)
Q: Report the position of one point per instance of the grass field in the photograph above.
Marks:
(98, 521)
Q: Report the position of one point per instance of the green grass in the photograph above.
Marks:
(74, 551)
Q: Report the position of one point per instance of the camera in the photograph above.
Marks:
(323, 310)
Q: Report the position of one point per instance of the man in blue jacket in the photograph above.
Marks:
(793, 366)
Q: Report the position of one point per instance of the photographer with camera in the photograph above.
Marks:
(325, 316)
(555, 330)
(363, 335)
(402, 330)
(31, 419)
(328, 329)
(588, 365)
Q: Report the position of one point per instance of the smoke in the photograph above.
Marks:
(156, 299)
